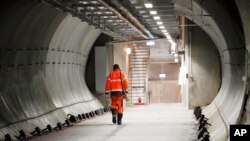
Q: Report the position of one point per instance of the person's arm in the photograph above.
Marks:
(107, 85)
(125, 82)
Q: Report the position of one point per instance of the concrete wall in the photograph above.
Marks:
(120, 57)
(243, 7)
(226, 108)
(171, 69)
(204, 68)
(42, 65)
(164, 92)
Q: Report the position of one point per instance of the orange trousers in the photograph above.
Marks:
(117, 103)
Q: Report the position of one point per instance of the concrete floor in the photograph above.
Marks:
(156, 122)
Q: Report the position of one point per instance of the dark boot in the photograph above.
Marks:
(114, 113)
(119, 118)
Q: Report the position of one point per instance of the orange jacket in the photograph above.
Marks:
(113, 83)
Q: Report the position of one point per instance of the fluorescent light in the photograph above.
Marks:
(148, 5)
(157, 18)
(162, 75)
(175, 55)
(153, 12)
(159, 23)
(162, 27)
(150, 43)
(165, 31)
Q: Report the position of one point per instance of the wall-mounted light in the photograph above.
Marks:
(148, 5)
(162, 75)
(128, 50)
(150, 43)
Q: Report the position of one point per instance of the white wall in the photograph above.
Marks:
(100, 68)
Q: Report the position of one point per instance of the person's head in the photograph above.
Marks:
(116, 66)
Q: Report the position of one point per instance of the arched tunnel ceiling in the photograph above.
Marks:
(44, 52)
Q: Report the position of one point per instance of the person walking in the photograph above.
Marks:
(116, 85)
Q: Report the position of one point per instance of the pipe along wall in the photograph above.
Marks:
(43, 57)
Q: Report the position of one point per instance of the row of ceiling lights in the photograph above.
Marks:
(161, 26)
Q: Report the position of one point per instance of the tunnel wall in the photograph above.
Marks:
(204, 68)
(226, 108)
(42, 65)
(243, 7)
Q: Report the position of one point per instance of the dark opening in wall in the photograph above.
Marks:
(90, 66)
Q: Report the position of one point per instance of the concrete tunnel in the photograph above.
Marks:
(46, 51)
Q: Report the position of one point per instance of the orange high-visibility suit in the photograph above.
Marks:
(115, 85)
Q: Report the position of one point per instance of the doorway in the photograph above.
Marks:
(163, 75)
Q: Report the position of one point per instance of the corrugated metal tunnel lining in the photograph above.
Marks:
(43, 58)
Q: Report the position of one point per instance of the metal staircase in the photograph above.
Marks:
(138, 72)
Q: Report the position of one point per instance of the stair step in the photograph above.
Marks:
(140, 47)
(143, 69)
(135, 74)
(139, 67)
(137, 86)
(139, 57)
(136, 81)
(138, 78)
(138, 71)
(140, 50)
(138, 63)
(140, 54)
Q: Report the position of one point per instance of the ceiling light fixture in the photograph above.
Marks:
(157, 18)
(153, 12)
(159, 23)
(148, 5)
(162, 27)
(150, 43)
(164, 31)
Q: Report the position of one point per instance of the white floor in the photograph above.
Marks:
(157, 122)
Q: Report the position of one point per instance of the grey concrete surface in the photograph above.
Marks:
(204, 68)
(156, 122)
(243, 7)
